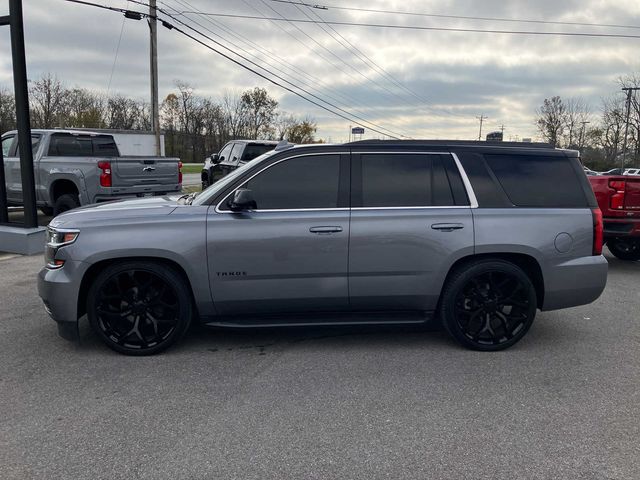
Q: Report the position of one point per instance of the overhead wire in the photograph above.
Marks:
(291, 67)
(457, 17)
(358, 117)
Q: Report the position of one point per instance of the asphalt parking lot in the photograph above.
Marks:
(323, 403)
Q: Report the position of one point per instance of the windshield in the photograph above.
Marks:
(221, 184)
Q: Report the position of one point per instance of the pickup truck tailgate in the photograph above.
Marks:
(137, 171)
(632, 193)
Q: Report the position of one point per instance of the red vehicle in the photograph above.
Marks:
(619, 199)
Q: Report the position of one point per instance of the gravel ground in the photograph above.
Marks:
(323, 403)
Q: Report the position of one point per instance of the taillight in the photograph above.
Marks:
(105, 176)
(598, 232)
(179, 172)
(616, 200)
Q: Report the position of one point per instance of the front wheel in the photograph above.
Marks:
(139, 308)
(488, 305)
(625, 248)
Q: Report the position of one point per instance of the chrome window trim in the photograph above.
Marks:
(465, 180)
(467, 183)
(217, 209)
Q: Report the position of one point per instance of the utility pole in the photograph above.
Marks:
(629, 91)
(155, 111)
(582, 133)
(481, 118)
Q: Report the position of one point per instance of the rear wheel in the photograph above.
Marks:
(625, 248)
(48, 211)
(65, 202)
(139, 308)
(488, 305)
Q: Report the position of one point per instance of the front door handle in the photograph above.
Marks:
(325, 230)
(447, 227)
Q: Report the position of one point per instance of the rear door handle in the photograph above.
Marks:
(447, 227)
(325, 230)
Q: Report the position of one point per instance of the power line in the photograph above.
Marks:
(115, 58)
(422, 27)
(458, 17)
(291, 67)
(376, 128)
(282, 78)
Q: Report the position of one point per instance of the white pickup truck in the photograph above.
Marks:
(74, 168)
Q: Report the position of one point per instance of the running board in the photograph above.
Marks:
(316, 320)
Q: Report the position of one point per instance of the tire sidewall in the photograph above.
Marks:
(167, 274)
(621, 254)
(460, 278)
(65, 202)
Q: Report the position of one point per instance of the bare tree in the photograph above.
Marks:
(7, 110)
(551, 120)
(260, 110)
(576, 112)
(47, 97)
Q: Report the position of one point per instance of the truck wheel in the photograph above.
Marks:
(139, 307)
(48, 211)
(205, 181)
(65, 202)
(625, 248)
(488, 305)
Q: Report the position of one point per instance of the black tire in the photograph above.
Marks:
(625, 248)
(139, 307)
(48, 211)
(488, 305)
(65, 202)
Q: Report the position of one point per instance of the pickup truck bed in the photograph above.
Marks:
(74, 168)
(619, 200)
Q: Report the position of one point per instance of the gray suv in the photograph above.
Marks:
(475, 234)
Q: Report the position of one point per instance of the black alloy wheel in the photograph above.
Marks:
(139, 308)
(488, 305)
(625, 248)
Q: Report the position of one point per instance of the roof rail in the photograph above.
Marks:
(459, 143)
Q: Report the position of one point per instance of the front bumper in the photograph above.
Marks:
(577, 282)
(59, 290)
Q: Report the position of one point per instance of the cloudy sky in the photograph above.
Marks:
(418, 83)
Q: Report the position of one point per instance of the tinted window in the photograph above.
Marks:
(396, 180)
(6, 145)
(537, 181)
(252, 151)
(303, 182)
(104, 146)
(65, 145)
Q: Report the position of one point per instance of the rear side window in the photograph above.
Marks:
(104, 146)
(302, 182)
(252, 151)
(396, 180)
(64, 145)
(538, 181)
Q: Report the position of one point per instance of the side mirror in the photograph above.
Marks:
(215, 159)
(242, 200)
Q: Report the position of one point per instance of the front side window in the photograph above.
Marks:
(6, 145)
(224, 153)
(235, 153)
(35, 143)
(300, 182)
(396, 180)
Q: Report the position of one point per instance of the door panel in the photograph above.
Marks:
(270, 262)
(397, 258)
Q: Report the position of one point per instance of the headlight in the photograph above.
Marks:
(56, 239)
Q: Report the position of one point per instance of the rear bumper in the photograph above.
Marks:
(59, 291)
(621, 227)
(576, 282)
